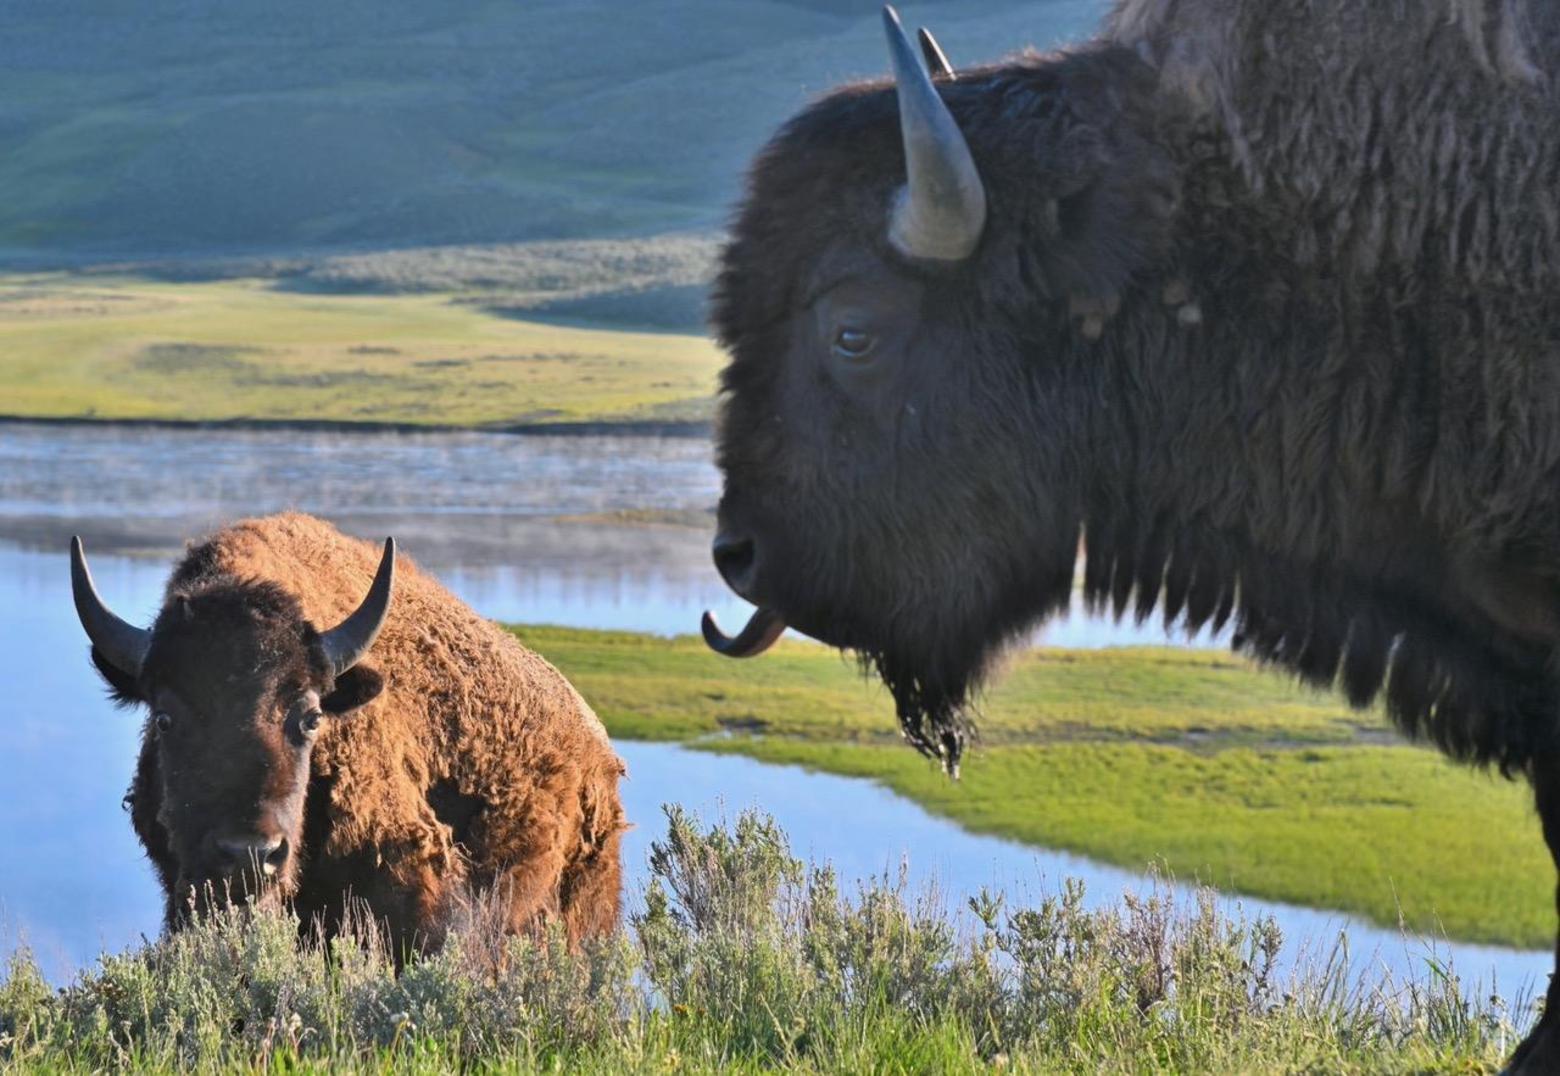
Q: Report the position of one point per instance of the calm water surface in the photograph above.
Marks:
(498, 518)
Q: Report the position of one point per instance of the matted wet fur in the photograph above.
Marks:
(478, 767)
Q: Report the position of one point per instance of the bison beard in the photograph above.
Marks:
(937, 662)
(1482, 699)
(932, 715)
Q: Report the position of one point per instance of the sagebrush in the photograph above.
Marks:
(743, 958)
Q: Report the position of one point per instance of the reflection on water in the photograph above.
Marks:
(71, 874)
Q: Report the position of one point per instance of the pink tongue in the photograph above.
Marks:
(763, 628)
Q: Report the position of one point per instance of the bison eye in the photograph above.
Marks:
(301, 729)
(853, 344)
(163, 720)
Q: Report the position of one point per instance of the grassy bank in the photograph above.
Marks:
(102, 347)
(1193, 760)
(744, 960)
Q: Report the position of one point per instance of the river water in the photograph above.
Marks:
(526, 529)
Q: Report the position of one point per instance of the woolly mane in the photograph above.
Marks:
(1387, 131)
(1380, 183)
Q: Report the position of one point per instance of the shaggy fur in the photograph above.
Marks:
(1284, 320)
(1266, 314)
(477, 767)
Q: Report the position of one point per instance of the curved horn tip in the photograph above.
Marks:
(936, 59)
(121, 643)
(761, 632)
(348, 642)
(79, 572)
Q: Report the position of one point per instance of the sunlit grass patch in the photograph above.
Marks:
(123, 348)
(1394, 834)
(1185, 696)
(1191, 760)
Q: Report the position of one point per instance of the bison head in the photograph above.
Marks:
(239, 685)
(910, 298)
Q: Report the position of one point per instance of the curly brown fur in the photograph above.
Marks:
(478, 766)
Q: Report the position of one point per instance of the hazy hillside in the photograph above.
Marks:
(218, 127)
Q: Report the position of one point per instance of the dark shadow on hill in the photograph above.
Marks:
(678, 308)
(656, 283)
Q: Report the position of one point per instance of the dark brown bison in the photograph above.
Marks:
(303, 746)
(1258, 299)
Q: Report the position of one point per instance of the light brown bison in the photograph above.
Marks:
(408, 756)
(1259, 298)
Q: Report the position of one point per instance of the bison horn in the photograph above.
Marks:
(936, 59)
(121, 644)
(347, 643)
(763, 628)
(941, 210)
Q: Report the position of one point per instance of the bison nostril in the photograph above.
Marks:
(276, 858)
(734, 559)
(266, 854)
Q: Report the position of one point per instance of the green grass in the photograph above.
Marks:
(106, 347)
(743, 959)
(1192, 760)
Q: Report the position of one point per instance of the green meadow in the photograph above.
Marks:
(102, 346)
(1192, 761)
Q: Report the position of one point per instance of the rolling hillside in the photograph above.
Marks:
(187, 127)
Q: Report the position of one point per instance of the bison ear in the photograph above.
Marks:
(123, 689)
(356, 687)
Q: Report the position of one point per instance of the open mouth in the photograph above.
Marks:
(763, 628)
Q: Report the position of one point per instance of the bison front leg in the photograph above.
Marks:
(1540, 1051)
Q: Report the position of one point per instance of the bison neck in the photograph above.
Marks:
(1351, 449)
(1369, 501)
